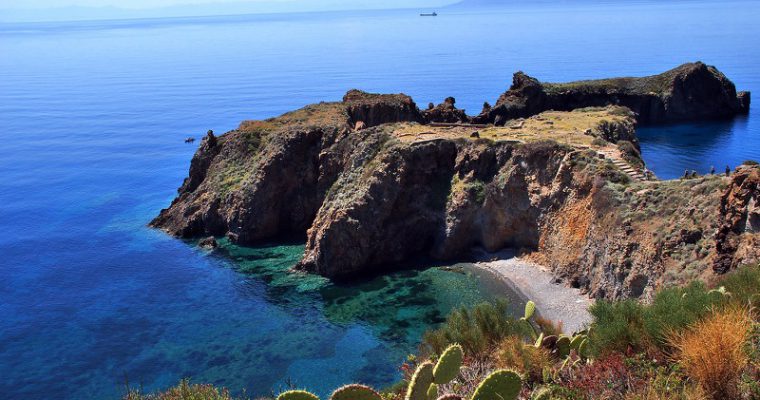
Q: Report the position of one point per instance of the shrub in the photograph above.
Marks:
(713, 353)
(630, 153)
(744, 285)
(513, 353)
(476, 330)
(750, 162)
(616, 327)
(676, 309)
(599, 142)
(183, 391)
(607, 377)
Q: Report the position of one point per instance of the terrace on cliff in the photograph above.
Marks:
(373, 181)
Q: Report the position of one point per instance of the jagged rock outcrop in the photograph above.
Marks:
(740, 221)
(369, 199)
(689, 92)
(377, 109)
(445, 112)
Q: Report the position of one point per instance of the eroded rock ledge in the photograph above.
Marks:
(373, 181)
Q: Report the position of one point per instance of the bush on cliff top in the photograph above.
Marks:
(627, 325)
(713, 350)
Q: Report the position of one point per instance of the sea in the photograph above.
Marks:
(93, 117)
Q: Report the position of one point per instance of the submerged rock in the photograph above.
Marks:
(208, 243)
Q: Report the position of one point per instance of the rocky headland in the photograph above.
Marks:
(553, 170)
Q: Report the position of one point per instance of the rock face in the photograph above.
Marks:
(445, 112)
(689, 92)
(366, 200)
(740, 221)
(377, 109)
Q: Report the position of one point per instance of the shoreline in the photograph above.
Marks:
(530, 281)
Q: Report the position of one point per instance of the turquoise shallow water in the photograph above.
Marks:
(93, 118)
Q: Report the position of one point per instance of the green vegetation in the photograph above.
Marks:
(184, 391)
(475, 330)
(630, 154)
(693, 342)
(502, 384)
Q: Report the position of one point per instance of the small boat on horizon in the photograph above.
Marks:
(433, 14)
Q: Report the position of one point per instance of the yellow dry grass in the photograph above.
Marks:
(567, 127)
(713, 351)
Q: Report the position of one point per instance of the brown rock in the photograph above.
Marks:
(691, 91)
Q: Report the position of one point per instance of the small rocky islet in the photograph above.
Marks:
(553, 170)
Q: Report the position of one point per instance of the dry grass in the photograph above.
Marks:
(549, 327)
(513, 353)
(713, 350)
(654, 392)
(567, 127)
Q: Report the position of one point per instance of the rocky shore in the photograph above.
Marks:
(372, 181)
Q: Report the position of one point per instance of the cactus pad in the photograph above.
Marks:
(500, 385)
(297, 395)
(563, 346)
(421, 381)
(576, 341)
(583, 350)
(448, 365)
(432, 392)
(530, 309)
(539, 341)
(355, 392)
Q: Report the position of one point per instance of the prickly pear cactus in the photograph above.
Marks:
(421, 381)
(576, 341)
(583, 349)
(448, 365)
(563, 346)
(355, 392)
(297, 395)
(539, 341)
(500, 385)
(530, 309)
(432, 392)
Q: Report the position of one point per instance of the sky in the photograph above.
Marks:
(51, 10)
(68, 10)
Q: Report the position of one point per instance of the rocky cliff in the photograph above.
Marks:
(689, 92)
(370, 185)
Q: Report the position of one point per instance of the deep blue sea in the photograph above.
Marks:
(92, 121)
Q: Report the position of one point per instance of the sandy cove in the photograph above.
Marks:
(531, 281)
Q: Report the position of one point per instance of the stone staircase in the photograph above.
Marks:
(617, 159)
